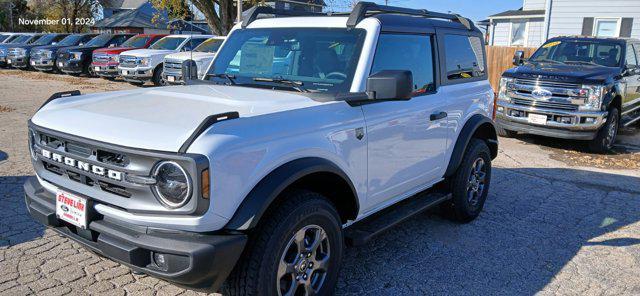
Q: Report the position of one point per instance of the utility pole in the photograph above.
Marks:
(239, 18)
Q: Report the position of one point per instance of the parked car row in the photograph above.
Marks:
(135, 58)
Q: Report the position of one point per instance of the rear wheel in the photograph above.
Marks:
(607, 134)
(296, 250)
(470, 183)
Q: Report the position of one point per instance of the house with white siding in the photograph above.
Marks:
(538, 20)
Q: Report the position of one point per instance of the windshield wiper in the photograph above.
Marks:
(297, 85)
(547, 61)
(231, 78)
(582, 63)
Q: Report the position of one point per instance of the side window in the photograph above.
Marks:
(631, 58)
(407, 52)
(465, 58)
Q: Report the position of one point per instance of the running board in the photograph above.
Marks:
(363, 231)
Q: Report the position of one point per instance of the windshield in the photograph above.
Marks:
(99, 40)
(136, 41)
(21, 39)
(587, 52)
(3, 37)
(46, 39)
(168, 43)
(318, 60)
(70, 40)
(11, 39)
(210, 45)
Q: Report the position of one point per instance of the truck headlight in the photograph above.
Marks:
(502, 89)
(143, 61)
(76, 55)
(594, 95)
(113, 57)
(173, 186)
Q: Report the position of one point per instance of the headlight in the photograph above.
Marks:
(114, 57)
(594, 95)
(76, 55)
(173, 186)
(47, 53)
(502, 91)
(143, 61)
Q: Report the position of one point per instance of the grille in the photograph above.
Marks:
(101, 58)
(564, 96)
(128, 61)
(172, 67)
(540, 83)
(543, 104)
(63, 56)
(41, 54)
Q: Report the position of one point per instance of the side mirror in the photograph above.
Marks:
(518, 58)
(112, 45)
(189, 71)
(631, 70)
(80, 44)
(54, 43)
(390, 85)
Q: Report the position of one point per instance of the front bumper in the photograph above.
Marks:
(18, 62)
(138, 74)
(43, 64)
(173, 78)
(196, 260)
(70, 66)
(583, 125)
(105, 70)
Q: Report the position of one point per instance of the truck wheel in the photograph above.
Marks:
(607, 134)
(505, 133)
(157, 76)
(296, 250)
(470, 183)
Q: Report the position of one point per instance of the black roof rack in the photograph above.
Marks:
(363, 9)
(256, 11)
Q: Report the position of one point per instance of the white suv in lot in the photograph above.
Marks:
(307, 132)
(202, 56)
(141, 65)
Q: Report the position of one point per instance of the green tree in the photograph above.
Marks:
(11, 12)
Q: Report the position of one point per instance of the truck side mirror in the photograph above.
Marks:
(630, 70)
(390, 85)
(189, 71)
(518, 58)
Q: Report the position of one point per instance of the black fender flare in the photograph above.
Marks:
(256, 203)
(466, 134)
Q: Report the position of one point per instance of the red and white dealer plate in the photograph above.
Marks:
(71, 208)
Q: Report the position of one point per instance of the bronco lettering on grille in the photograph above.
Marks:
(85, 166)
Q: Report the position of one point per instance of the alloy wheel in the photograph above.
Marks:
(612, 131)
(303, 266)
(477, 179)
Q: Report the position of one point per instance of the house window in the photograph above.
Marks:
(606, 27)
(518, 33)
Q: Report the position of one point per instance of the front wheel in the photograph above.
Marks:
(470, 183)
(157, 79)
(296, 250)
(606, 136)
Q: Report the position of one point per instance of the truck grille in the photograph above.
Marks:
(128, 61)
(41, 54)
(564, 96)
(172, 67)
(100, 58)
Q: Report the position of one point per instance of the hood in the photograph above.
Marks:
(190, 55)
(159, 118)
(569, 73)
(114, 50)
(145, 53)
(52, 47)
(79, 48)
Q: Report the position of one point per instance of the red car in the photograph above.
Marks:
(105, 60)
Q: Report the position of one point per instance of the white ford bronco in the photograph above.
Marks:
(307, 134)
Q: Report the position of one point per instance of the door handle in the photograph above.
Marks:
(438, 116)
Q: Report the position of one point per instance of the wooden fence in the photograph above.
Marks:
(500, 58)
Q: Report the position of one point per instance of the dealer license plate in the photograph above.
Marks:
(71, 208)
(8, 61)
(171, 78)
(33, 63)
(125, 72)
(60, 64)
(537, 118)
(97, 68)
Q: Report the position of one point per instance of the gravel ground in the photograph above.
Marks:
(558, 221)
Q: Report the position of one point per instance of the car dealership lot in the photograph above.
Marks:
(560, 221)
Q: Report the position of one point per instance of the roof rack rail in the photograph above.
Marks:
(256, 11)
(363, 9)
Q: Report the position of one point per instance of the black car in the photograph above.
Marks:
(43, 58)
(580, 88)
(18, 56)
(23, 39)
(77, 59)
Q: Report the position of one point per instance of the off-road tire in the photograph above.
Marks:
(256, 272)
(460, 208)
(157, 79)
(505, 133)
(603, 141)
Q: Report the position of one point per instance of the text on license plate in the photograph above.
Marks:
(71, 208)
(97, 68)
(537, 118)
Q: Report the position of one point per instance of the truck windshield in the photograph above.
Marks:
(306, 59)
(22, 39)
(99, 40)
(210, 45)
(583, 52)
(70, 40)
(46, 39)
(168, 43)
(136, 41)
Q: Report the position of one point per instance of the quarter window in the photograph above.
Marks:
(407, 52)
(464, 57)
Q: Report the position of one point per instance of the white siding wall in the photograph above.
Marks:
(502, 32)
(536, 30)
(567, 15)
(534, 4)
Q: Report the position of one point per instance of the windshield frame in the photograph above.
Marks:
(549, 52)
(312, 84)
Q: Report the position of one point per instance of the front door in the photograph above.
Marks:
(406, 139)
(631, 99)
